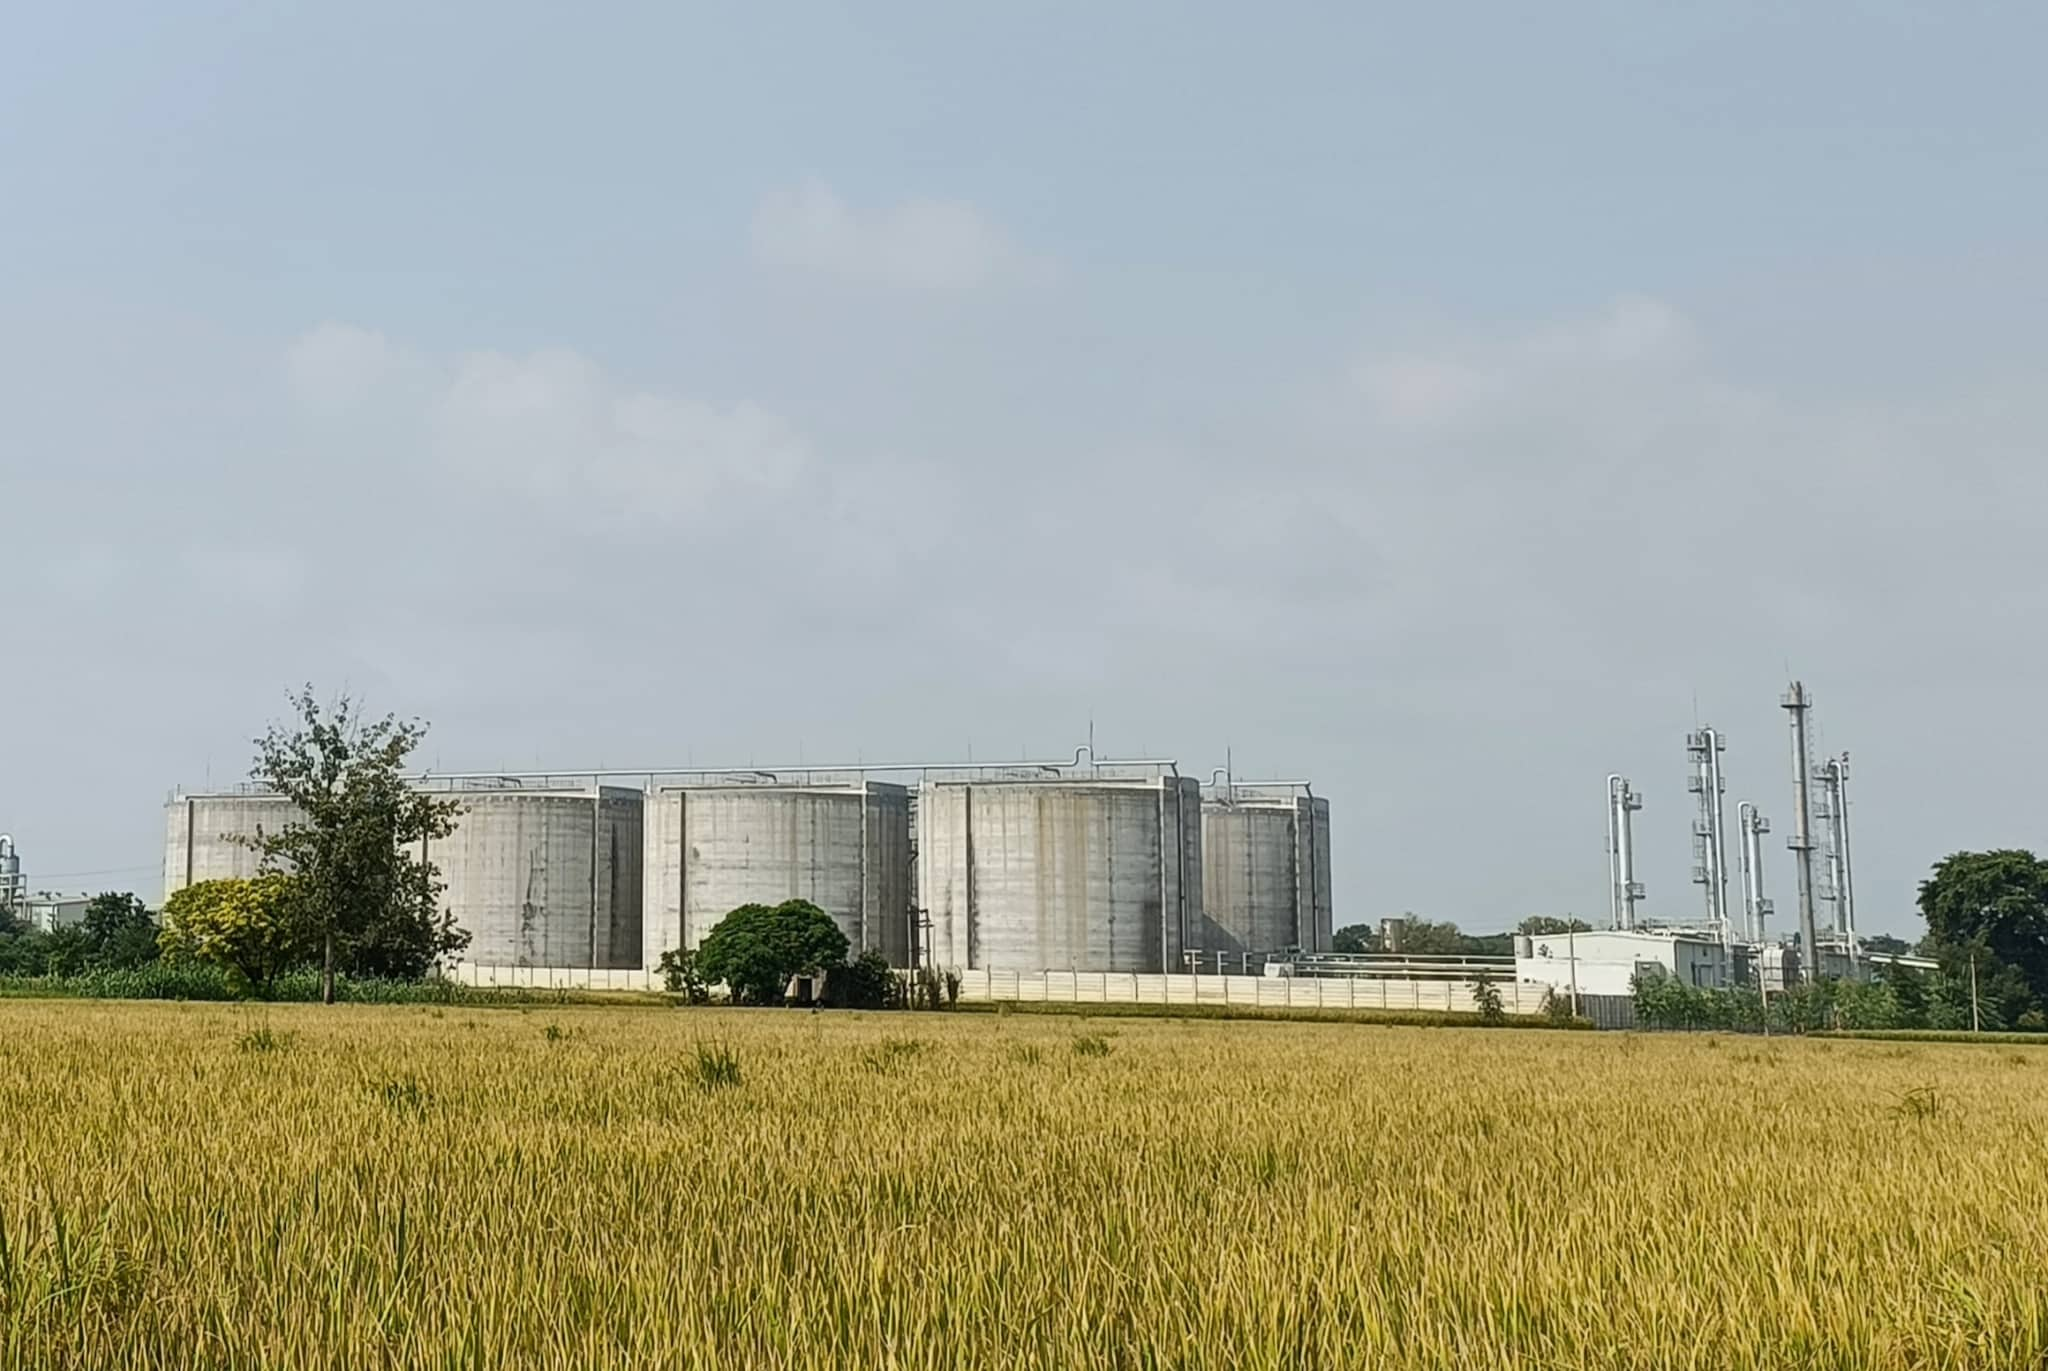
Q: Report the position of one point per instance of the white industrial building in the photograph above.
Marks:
(48, 912)
(1607, 961)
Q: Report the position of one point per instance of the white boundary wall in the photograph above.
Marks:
(1096, 987)
(1264, 992)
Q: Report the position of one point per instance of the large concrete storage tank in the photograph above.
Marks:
(204, 833)
(1082, 873)
(844, 846)
(1265, 870)
(545, 877)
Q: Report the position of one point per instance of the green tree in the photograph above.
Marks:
(120, 930)
(1549, 925)
(1910, 993)
(1991, 907)
(1486, 999)
(373, 904)
(1887, 944)
(756, 949)
(1428, 938)
(1355, 939)
(681, 974)
(254, 929)
(867, 982)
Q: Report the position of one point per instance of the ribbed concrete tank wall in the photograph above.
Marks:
(1266, 874)
(201, 832)
(545, 878)
(1070, 875)
(713, 848)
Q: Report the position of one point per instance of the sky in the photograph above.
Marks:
(1451, 404)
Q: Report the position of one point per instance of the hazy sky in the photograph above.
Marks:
(1449, 403)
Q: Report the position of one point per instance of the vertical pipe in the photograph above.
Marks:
(1630, 890)
(1846, 893)
(1797, 702)
(1614, 894)
(1756, 905)
(1745, 817)
(1719, 855)
(863, 866)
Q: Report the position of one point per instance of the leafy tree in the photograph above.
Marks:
(372, 903)
(255, 929)
(1428, 938)
(1992, 906)
(756, 949)
(867, 982)
(1549, 925)
(1910, 993)
(1355, 939)
(1486, 999)
(1887, 944)
(120, 930)
(682, 975)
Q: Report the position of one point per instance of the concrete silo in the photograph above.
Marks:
(715, 845)
(205, 835)
(1265, 869)
(544, 876)
(1070, 873)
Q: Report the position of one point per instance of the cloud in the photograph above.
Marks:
(337, 367)
(551, 429)
(922, 244)
(556, 428)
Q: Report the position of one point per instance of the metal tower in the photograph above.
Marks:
(1799, 704)
(1623, 889)
(1756, 907)
(1840, 892)
(1709, 845)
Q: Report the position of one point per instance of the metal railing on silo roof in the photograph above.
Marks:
(811, 773)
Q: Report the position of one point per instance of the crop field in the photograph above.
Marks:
(362, 1186)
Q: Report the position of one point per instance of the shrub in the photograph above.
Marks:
(756, 949)
(717, 1067)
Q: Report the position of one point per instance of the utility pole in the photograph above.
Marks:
(1798, 704)
(1976, 1024)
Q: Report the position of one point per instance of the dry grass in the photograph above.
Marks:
(358, 1187)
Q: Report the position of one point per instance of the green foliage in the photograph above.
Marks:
(1486, 1001)
(717, 1067)
(681, 975)
(867, 982)
(1355, 939)
(925, 988)
(1433, 938)
(253, 929)
(122, 933)
(116, 934)
(1548, 925)
(367, 898)
(1992, 907)
(756, 949)
(1886, 943)
(177, 980)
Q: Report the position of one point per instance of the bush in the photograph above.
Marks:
(756, 949)
(866, 982)
(681, 974)
(1486, 1001)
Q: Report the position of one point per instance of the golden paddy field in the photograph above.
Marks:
(186, 1185)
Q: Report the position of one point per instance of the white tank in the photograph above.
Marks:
(1070, 874)
(1266, 870)
(545, 877)
(712, 847)
(204, 833)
